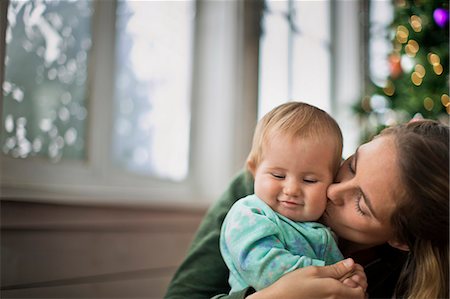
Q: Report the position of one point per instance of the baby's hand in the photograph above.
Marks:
(356, 279)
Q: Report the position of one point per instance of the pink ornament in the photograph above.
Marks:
(440, 16)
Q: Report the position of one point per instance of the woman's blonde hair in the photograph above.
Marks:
(421, 219)
(295, 119)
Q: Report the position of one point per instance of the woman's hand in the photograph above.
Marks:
(356, 278)
(318, 282)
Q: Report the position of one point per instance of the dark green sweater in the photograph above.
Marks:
(203, 274)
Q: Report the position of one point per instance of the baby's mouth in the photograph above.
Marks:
(291, 203)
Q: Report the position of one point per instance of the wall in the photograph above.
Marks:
(58, 251)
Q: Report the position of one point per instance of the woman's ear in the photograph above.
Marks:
(399, 245)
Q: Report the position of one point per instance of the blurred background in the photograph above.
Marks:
(122, 121)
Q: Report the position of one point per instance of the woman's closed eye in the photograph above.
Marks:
(351, 167)
(358, 206)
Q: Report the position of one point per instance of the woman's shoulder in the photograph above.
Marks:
(240, 186)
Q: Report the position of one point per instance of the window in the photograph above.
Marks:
(152, 87)
(310, 52)
(164, 91)
(295, 54)
(381, 16)
(44, 100)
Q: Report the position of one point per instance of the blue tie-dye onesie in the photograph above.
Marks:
(259, 245)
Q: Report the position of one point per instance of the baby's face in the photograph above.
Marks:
(294, 175)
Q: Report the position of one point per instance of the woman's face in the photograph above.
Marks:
(365, 194)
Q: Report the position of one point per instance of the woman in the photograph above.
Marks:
(389, 206)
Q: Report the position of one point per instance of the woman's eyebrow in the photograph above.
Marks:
(365, 198)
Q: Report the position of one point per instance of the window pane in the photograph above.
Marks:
(44, 107)
(295, 54)
(153, 80)
(274, 48)
(381, 16)
(311, 53)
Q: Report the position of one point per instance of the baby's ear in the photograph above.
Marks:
(399, 245)
(251, 166)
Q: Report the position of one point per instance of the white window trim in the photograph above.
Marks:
(3, 22)
(224, 109)
(347, 78)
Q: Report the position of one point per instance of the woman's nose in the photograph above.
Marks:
(336, 193)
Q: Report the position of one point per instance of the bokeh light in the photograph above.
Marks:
(428, 103)
(402, 34)
(416, 23)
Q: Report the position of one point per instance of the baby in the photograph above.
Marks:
(296, 152)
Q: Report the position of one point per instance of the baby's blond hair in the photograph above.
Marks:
(295, 119)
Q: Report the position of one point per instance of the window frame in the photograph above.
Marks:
(348, 58)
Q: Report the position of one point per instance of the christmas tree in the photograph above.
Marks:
(418, 83)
